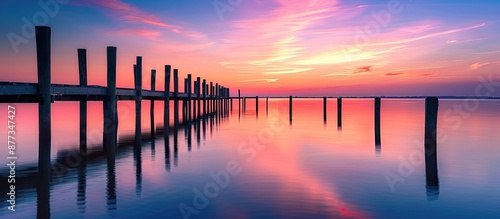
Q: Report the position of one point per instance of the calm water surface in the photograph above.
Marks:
(262, 165)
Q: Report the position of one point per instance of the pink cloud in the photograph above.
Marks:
(128, 13)
(478, 65)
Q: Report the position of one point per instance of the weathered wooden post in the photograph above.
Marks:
(211, 105)
(166, 108)
(324, 109)
(184, 102)
(204, 89)
(267, 106)
(217, 98)
(257, 105)
(195, 100)
(82, 69)
(189, 90)
(290, 107)
(431, 113)
(377, 121)
(176, 100)
(339, 112)
(43, 55)
(230, 99)
(138, 101)
(239, 100)
(152, 108)
(198, 93)
(110, 107)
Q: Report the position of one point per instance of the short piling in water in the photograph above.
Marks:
(239, 100)
(152, 107)
(82, 71)
(324, 109)
(267, 106)
(431, 113)
(166, 105)
(339, 112)
(290, 107)
(257, 105)
(189, 101)
(43, 54)
(377, 121)
(138, 100)
(110, 106)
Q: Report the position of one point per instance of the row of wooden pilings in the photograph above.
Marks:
(430, 143)
(215, 99)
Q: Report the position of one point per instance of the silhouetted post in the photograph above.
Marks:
(195, 99)
(257, 105)
(198, 83)
(339, 112)
(290, 107)
(152, 108)
(207, 92)
(190, 85)
(82, 70)
(211, 97)
(239, 100)
(431, 113)
(217, 98)
(204, 89)
(267, 106)
(230, 99)
(377, 121)
(176, 100)
(138, 101)
(166, 108)
(110, 108)
(324, 109)
(184, 103)
(43, 55)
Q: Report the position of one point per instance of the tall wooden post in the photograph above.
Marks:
(431, 113)
(189, 90)
(267, 106)
(138, 101)
(239, 100)
(290, 108)
(184, 102)
(166, 108)
(217, 98)
(110, 108)
(195, 104)
(43, 55)
(176, 100)
(230, 99)
(152, 108)
(198, 95)
(204, 85)
(339, 112)
(82, 69)
(377, 121)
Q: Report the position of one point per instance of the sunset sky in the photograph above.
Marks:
(274, 47)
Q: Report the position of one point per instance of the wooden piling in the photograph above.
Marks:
(239, 100)
(43, 55)
(211, 105)
(204, 89)
(82, 70)
(198, 95)
(324, 109)
(217, 98)
(195, 100)
(377, 121)
(431, 113)
(110, 107)
(189, 92)
(184, 103)
(339, 112)
(138, 101)
(257, 105)
(267, 105)
(152, 107)
(290, 108)
(166, 105)
(230, 99)
(176, 100)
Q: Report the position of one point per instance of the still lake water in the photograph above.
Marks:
(267, 167)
